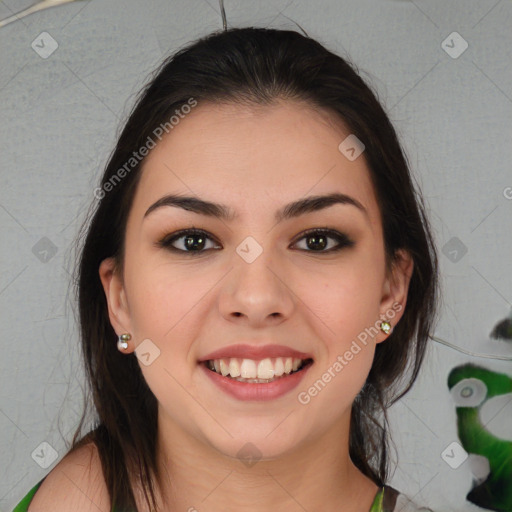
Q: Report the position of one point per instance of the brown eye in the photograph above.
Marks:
(321, 240)
(189, 241)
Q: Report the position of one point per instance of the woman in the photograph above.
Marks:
(256, 288)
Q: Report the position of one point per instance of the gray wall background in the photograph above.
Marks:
(60, 116)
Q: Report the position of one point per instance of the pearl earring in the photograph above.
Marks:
(122, 342)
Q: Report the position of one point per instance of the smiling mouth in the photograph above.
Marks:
(261, 371)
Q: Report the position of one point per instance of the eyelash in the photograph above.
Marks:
(342, 240)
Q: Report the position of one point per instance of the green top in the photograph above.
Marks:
(22, 506)
(384, 500)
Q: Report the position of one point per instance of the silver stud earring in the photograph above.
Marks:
(122, 342)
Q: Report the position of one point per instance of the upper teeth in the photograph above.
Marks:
(252, 369)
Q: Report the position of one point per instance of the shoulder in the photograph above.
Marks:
(76, 483)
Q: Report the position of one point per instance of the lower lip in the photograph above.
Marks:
(254, 391)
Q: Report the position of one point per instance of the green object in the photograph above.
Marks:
(22, 506)
(377, 502)
(471, 386)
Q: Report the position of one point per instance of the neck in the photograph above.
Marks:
(196, 476)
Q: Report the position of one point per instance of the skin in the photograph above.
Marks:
(255, 160)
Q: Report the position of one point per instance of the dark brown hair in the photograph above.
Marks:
(249, 66)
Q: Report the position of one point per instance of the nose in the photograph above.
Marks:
(256, 294)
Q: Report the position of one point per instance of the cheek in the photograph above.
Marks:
(163, 296)
(163, 308)
(347, 306)
(345, 297)
(331, 392)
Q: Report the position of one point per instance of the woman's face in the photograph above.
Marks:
(253, 277)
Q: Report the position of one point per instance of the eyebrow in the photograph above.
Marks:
(289, 211)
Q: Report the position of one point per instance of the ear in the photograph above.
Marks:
(113, 287)
(394, 290)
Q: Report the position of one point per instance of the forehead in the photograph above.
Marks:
(254, 155)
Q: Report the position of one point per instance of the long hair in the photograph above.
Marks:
(248, 66)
